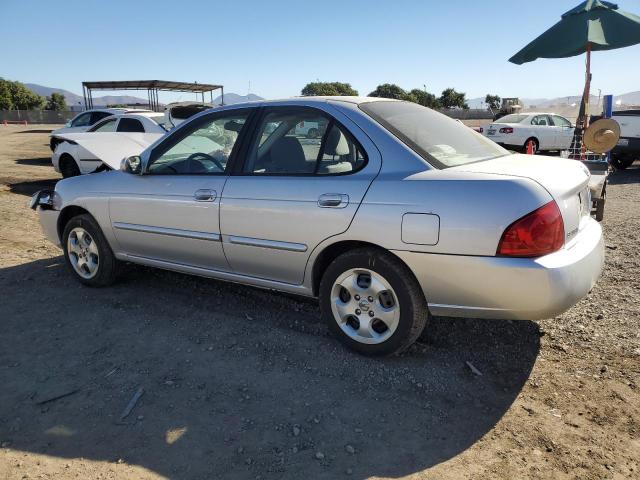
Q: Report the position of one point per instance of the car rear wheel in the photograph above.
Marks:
(372, 302)
(87, 253)
(68, 166)
(621, 163)
(312, 133)
(536, 145)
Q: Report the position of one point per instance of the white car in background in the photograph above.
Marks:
(124, 134)
(85, 120)
(178, 112)
(547, 131)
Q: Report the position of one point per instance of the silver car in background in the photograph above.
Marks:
(392, 212)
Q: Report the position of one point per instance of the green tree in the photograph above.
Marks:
(425, 98)
(6, 102)
(328, 89)
(452, 99)
(492, 101)
(390, 90)
(21, 98)
(56, 102)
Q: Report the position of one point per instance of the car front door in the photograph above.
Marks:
(564, 132)
(171, 212)
(293, 191)
(543, 130)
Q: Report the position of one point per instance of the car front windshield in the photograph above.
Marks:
(440, 140)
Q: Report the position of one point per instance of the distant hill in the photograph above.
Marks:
(73, 99)
(231, 98)
(70, 98)
(631, 98)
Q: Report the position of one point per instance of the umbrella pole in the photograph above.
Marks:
(587, 87)
(577, 150)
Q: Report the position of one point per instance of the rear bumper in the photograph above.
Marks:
(510, 288)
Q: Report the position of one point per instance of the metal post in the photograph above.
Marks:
(222, 96)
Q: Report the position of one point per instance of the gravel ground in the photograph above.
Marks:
(244, 383)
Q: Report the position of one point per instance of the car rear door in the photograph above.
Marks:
(293, 191)
(563, 132)
(171, 213)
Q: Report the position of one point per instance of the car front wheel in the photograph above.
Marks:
(68, 166)
(372, 302)
(87, 253)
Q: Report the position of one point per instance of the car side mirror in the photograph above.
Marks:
(68, 124)
(131, 165)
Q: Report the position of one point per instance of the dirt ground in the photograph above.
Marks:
(244, 383)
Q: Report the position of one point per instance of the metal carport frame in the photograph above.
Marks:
(152, 87)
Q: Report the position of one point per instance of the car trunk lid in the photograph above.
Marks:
(566, 180)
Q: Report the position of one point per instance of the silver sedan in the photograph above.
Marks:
(390, 212)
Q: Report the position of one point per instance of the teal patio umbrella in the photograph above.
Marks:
(592, 25)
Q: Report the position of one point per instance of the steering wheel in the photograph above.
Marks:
(206, 157)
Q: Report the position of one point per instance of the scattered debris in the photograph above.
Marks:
(58, 397)
(295, 430)
(473, 368)
(319, 455)
(349, 449)
(132, 403)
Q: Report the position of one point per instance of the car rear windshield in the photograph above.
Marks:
(513, 118)
(440, 140)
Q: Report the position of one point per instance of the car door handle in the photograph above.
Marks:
(333, 200)
(204, 195)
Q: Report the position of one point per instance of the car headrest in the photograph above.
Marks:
(287, 155)
(336, 143)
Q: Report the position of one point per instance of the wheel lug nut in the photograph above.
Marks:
(371, 314)
(357, 297)
(370, 299)
(358, 312)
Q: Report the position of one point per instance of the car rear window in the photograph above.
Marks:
(440, 140)
(130, 125)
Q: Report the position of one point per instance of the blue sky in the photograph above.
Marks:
(279, 46)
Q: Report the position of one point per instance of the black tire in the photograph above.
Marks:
(312, 133)
(414, 311)
(108, 265)
(600, 206)
(68, 167)
(621, 163)
(536, 145)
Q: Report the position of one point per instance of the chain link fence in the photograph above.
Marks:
(36, 116)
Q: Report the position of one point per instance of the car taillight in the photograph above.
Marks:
(480, 129)
(539, 233)
(506, 130)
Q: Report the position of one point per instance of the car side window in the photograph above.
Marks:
(105, 126)
(130, 125)
(204, 149)
(541, 121)
(302, 141)
(82, 120)
(561, 121)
